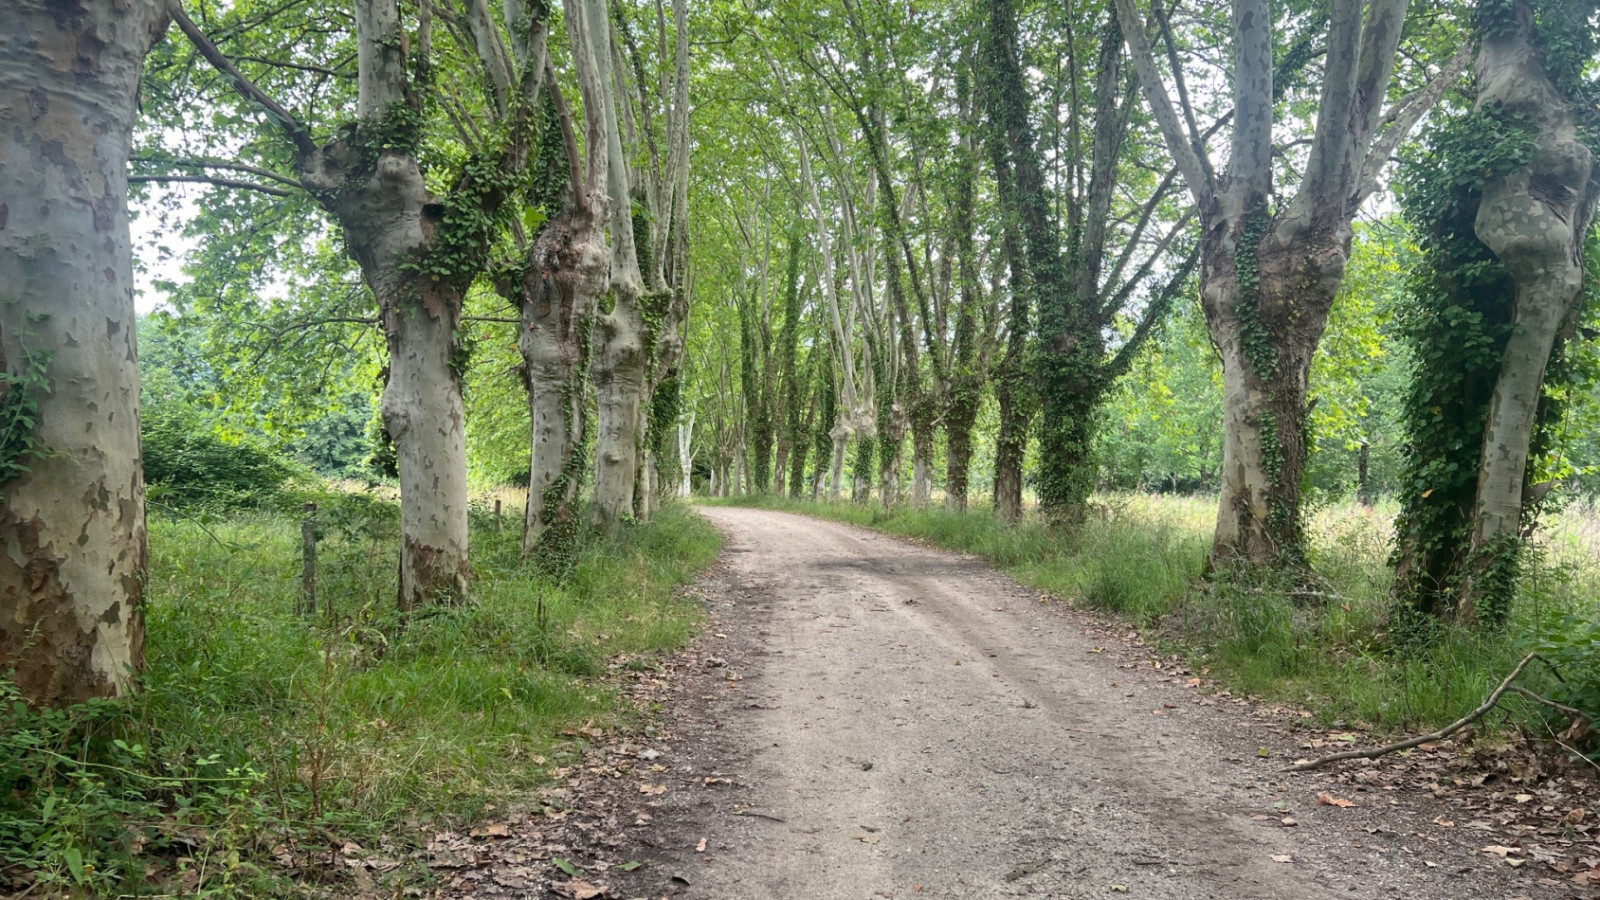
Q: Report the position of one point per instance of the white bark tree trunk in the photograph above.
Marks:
(921, 480)
(686, 457)
(1535, 220)
(841, 433)
(1268, 280)
(72, 525)
(619, 362)
(568, 271)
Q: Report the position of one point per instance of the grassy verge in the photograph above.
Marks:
(260, 730)
(1142, 559)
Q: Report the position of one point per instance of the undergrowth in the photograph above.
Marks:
(1142, 558)
(262, 731)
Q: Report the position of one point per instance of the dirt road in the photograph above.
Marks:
(877, 719)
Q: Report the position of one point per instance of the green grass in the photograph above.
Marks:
(258, 726)
(1142, 557)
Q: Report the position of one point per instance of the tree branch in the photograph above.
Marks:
(211, 180)
(1399, 121)
(1153, 314)
(298, 135)
(1441, 734)
(219, 164)
(1164, 21)
(1201, 186)
(1250, 163)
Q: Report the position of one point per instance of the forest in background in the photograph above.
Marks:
(1268, 325)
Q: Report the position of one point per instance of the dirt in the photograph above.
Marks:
(868, 718)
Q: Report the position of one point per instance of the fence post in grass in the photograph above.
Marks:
(498, 525)
(308, 561)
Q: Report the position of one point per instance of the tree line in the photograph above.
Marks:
(405, 156)
(913, 232)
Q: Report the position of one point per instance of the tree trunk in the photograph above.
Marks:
(686, 457)
(619, 355)
(390, 220)
(841, 434)
(1069, 480)
(423, 412)
(958, 455)
(72, 526)
(1535, 220)
(1266, 337)
(1010, 446)
(567, 273)
(1363, 479)
(922, 465)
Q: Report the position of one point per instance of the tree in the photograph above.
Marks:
(73, 526)
(1504, 199)
(1269, 273)
(620, 353)
(558, 284)
(1078, 298)
(418, 252)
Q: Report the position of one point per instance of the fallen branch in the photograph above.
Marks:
(1441, 734)
(1575, 713)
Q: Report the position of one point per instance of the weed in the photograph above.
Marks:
(257, 728)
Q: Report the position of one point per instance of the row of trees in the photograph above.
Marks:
(974, 217)
(949, 228)
(429, 148)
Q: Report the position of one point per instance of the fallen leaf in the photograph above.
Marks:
(566, 866)
(493, 830)
(1282, 857)
(1288, 821)
(652, 789)
(581, 890)
(868, 838)
(700, 847)
(1327, 799)
(1500, 851)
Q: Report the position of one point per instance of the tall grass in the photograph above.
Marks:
(259, 726)
(1142, 557)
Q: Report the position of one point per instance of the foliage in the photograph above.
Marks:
(187, 463)
(19, 404)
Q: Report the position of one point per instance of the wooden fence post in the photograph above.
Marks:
(308, 562)
(498, 525)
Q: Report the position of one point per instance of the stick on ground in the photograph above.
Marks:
(1441, 734)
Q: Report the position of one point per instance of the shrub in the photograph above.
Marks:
(187, 463)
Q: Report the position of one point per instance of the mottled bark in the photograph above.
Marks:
(567, 271)
(72, 527)
(922, 465)
(1535, 220)
(686, 457)
(619, 351)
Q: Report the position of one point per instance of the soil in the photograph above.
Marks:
(869, 718)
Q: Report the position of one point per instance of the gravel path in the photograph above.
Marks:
(879, 719)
